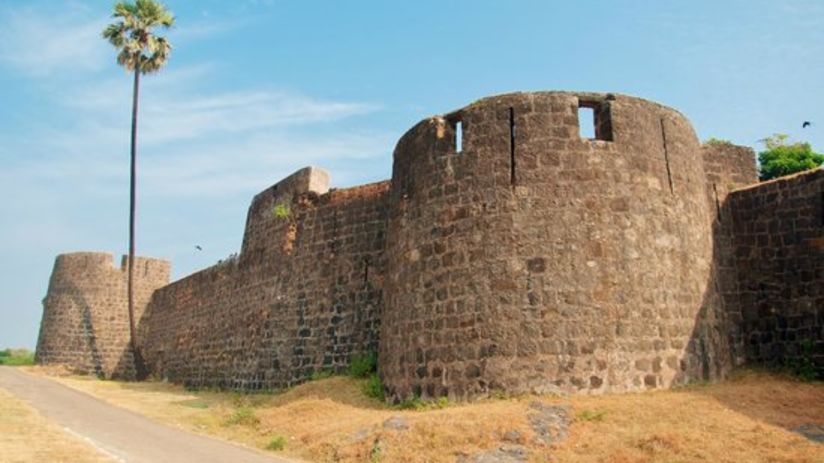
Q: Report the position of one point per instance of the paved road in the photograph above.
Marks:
(124, 436)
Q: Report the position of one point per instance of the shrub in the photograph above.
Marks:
(373, 387)
(277, 443)
(363, 365)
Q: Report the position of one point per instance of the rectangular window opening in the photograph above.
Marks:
(458, 137)
(594, 120)
(586, 122)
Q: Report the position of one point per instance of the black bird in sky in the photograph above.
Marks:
(806, 124)
(197, 246)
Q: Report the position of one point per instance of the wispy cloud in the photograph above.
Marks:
(170, 113)
(196, 142)
(41, 43)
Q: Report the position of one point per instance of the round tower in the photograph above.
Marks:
(85, 321)
(525, 256)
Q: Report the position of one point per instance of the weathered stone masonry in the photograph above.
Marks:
(85, 321)
(531, 260)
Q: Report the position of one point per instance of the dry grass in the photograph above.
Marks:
(745, 419)
(28, 437)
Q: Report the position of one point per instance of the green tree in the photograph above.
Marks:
(140, 52)
(783, 158)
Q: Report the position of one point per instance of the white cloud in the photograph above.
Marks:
(194, 143)
(41, 44)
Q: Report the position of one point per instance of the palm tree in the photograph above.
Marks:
(141, 52)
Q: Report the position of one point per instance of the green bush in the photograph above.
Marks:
(277, 443)
(16, 357)
(363, 365)
(782, 158)
(373, 387)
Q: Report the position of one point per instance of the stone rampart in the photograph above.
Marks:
(508, 253)
(85, 316)
(779, 258)
(303, 295)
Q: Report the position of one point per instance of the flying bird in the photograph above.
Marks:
(197, 246)
(806, 124)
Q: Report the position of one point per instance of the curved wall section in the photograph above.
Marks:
(538, 260)
(85, 323)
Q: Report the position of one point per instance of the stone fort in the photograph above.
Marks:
(506, 253)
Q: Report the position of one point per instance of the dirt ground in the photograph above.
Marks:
(747, 419)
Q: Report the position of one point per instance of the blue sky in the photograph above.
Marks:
(257, 89)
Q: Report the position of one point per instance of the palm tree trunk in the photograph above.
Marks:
(139, 366)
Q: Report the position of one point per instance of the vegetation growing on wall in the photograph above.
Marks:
(717, 142)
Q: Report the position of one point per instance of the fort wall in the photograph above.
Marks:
(779, 256)
(85, 313)
(507, 253)
(303, 295)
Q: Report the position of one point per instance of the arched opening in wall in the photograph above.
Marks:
(594, 120)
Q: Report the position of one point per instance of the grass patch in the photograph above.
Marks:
(277, 443)
(243, 416)
(318, 375)
(16, 357)
(414, 403)
(193, 403)
(591, 415)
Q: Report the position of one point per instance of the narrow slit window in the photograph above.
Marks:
(586, 122)
(512, 178)
(458, 137)
(821, 210)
